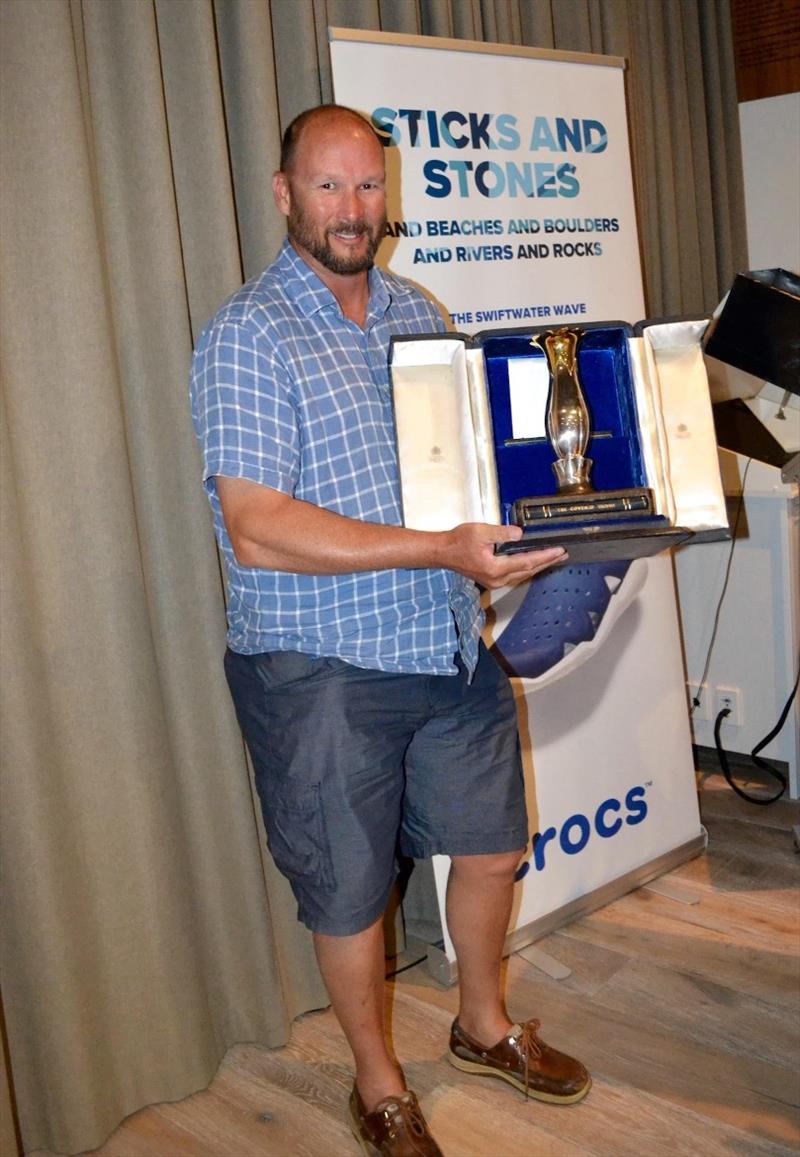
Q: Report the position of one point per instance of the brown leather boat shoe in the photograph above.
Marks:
(524, 1060)
(396, 1128)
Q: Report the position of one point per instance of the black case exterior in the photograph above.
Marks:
(589, 545)
(758, 330)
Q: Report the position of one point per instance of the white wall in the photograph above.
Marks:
(758, 637)
(757, 641)
(771, 155)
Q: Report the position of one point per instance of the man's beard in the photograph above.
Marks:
(301, 231)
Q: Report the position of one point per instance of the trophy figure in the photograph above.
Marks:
(568, 431)
(567, 416)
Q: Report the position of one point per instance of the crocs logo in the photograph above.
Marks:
(609, 818)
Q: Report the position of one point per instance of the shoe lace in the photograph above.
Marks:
(405, 1111)
(529, 1046)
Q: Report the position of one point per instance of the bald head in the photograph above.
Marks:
(332, 189)
(324, 115)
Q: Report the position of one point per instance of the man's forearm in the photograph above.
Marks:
(306, 539)
(273, 531)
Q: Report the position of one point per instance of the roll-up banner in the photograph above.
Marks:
(509, 176)
(510, 202)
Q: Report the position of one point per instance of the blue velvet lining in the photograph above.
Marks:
(524, 466)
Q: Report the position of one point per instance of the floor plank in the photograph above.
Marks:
(722, 941)
(687, 1015)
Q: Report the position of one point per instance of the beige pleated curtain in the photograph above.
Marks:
(144, 931)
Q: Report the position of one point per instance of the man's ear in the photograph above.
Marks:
(280, 191)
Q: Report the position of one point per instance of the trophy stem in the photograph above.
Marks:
(567, 414)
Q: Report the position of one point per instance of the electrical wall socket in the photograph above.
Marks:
(729, 698)
(703, 711)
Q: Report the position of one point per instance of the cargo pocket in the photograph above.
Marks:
(297, 836)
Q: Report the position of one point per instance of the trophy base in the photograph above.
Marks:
(596, 505)
(601, 525)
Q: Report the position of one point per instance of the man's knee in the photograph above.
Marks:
(493, 866)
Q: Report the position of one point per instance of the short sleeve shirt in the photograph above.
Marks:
(289, 393)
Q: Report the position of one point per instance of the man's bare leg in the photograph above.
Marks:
(354, 971)
(479, 898)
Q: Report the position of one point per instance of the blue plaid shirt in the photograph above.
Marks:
(289, 393)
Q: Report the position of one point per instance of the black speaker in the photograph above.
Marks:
(758, 330)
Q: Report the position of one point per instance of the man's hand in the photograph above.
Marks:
(472, 554)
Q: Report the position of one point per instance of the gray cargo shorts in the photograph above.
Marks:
(352, 765)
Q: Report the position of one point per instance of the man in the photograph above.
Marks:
(371, 712)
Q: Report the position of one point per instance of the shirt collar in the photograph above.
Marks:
(310, 295)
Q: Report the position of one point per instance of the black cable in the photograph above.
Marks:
(406, 967)
(781, 720)
(758, 760)
(739, 508)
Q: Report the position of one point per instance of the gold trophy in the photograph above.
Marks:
(568, 431)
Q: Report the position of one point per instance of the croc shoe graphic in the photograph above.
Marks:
(545, 628)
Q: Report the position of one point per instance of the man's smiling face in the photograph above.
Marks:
(334, 195)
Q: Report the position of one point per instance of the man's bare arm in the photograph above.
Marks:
(272, 530)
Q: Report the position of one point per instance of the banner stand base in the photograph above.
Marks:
(672, 892)
(555, 969)
(445, 971)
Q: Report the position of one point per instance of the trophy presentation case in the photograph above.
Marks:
(599, 438)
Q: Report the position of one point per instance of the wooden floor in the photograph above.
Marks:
(687, 1015)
